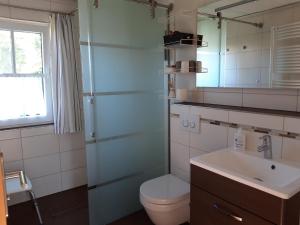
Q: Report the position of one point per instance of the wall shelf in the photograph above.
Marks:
(202, 70)
(183, 45)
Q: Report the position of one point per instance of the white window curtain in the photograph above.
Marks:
(65, 76)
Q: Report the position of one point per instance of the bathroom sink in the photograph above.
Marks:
(274, 177)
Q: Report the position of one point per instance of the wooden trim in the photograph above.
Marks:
(2, 198)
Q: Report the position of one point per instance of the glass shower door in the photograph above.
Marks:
(124, 104)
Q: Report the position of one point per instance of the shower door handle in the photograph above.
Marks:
(91, 108)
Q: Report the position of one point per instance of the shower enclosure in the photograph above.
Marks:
(125, 108)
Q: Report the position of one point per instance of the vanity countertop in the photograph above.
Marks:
(274, 177)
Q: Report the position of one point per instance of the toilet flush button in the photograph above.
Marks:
(194, 125)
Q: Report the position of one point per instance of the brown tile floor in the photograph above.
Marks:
(65, 208)
(139, 218)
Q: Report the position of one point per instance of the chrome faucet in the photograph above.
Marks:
(266, 146)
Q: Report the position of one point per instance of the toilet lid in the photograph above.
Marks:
(167, 189)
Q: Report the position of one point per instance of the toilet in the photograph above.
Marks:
(166, 200)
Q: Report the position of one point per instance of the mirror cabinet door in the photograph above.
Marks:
(251, 44)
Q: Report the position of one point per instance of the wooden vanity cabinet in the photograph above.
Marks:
(217, 200)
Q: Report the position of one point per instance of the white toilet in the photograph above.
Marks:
(166, 200)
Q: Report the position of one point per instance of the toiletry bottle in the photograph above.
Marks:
(239, 140)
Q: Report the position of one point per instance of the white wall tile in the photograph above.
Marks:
(279, 17)
(230, 78)
(73, 178)
(248, 77)
(42, 166)
(33, 15)
(11, 149)
(256, 120)
(279, 102)
(210, 138)
(223, 98)
(292, 125)
(248, 59)
(47, 185)
(178, 135)
(196, 96)
(231, 61)
(66, 6)
(56, 5)
(35, 131)
(264, 77)
(38, 4)
(14, 166)
(184, 175)
(4, 12)
(40, 145)
(196, 152)
(210, 113)
(252, 42)
(180, 156)
(291, 150)
(9, 134)
(72, 160)
(69, 142)
(298, 104)
(267, 91)
(179, 109)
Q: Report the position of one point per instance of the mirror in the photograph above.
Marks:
(251, 44)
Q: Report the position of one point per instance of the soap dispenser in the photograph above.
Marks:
(240, 140)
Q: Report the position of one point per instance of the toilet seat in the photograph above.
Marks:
(165, 190)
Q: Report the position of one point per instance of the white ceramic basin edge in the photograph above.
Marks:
(274, 177)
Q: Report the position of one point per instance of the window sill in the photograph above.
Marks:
(12, 127)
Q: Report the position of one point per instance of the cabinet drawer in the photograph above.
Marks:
(207, 209)
(257, 202)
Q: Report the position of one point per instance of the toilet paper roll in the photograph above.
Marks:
(199, 66)
(185, 66)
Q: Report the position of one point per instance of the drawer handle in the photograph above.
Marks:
(226, 213)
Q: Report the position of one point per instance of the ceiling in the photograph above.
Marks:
(245, 9)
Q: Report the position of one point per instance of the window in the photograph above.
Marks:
(24, 80)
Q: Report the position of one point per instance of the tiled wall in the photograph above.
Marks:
(55, 5)
(280, 99)
(185, 144)
(53, 163)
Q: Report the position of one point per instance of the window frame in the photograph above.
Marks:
(35, 27)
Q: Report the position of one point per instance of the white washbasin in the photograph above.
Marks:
(276, 178)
